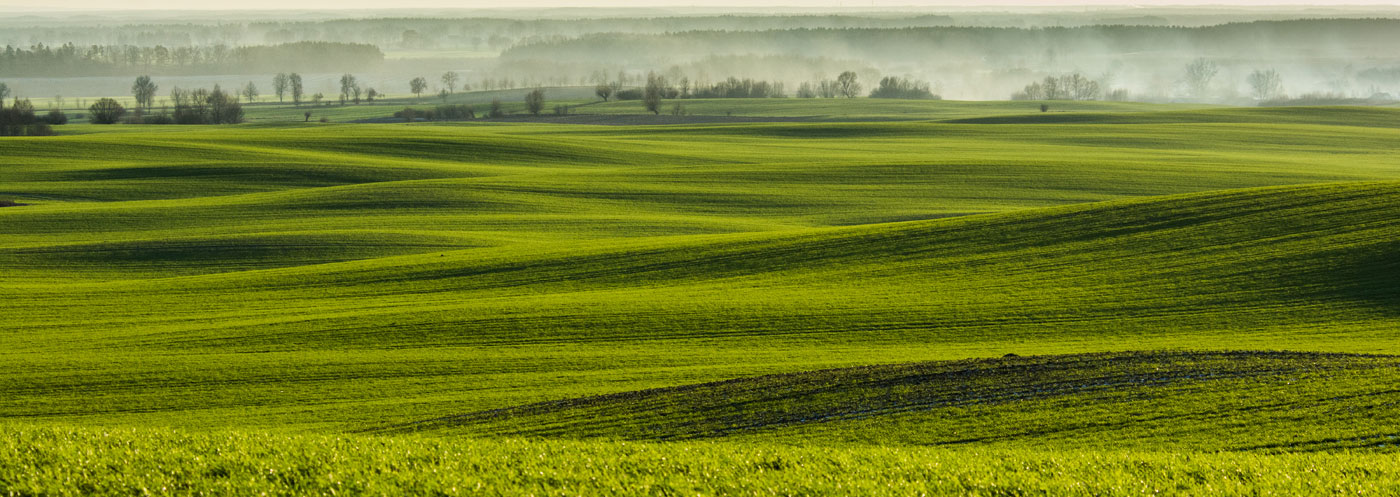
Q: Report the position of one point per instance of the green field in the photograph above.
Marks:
(543, 307)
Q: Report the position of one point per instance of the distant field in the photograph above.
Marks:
(286, 284)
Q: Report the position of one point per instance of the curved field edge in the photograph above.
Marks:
(1241, 400)
(396, 339)
(62, 461)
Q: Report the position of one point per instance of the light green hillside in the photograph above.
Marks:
(1295, 267)
(275, 286)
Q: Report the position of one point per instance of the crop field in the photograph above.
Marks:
(853, 298)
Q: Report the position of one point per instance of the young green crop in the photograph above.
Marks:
(272, 285)
(353, 276)
(63, 461)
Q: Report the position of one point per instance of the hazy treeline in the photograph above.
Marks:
(499, 29)
(1340, 58)
(1373, 37)
(972, 62)
(113, 60)
(435, 33)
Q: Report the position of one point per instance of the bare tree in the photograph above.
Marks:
(279, 85)
(418, 85)
(145, 91)
(297, 91)
(250, 92)
(349, 87)
(604, 91)
(848, 86)
(534, 101)
(1266, 85)
(1199, 74)
(449, 79)
(651, 95)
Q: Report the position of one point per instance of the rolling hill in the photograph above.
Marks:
(760, 288)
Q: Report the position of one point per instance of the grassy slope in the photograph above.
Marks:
(1163, 400)
(582, 102)
(686, 308)
(346, 277)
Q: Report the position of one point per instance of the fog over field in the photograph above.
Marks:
(1152, 54)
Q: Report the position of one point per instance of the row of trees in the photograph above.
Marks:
(846, 85)
(1067, 87)
(350, 90)
(449, 79)
(896, 87)
(97, 60)
(197, 106)
(1196, 80)
(19, 119)
(200, 106)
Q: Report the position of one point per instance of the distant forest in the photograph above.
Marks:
(486, 34)
(118, 60)
(1294, 39)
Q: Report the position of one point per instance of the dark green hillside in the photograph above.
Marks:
(1262, 401)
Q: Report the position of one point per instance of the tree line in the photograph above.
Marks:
(20, 118)
(116, 60)
(959, 42)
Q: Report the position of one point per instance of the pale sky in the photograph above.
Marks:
(109, 5)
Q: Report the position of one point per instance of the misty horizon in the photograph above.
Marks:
(891, 5)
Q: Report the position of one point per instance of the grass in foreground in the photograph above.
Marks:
(61, 461)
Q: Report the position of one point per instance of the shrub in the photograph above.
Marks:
(440, 113)
(632, 94)
(55, 117)
(106, 111)
(19, 120)
(895, 87)
(454, 112)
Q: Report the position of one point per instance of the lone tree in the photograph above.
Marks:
(349, 88)
(604, 91)
(1266, 85)
(279, 85)
(371, 94)
(294, 80)
(848, 86)
(106, 111)
(418, 85)
(534, 101)
(250, 92)
(145, 91)
(1199, 73)
(651, 95)
(4, 94)
(449, 79)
